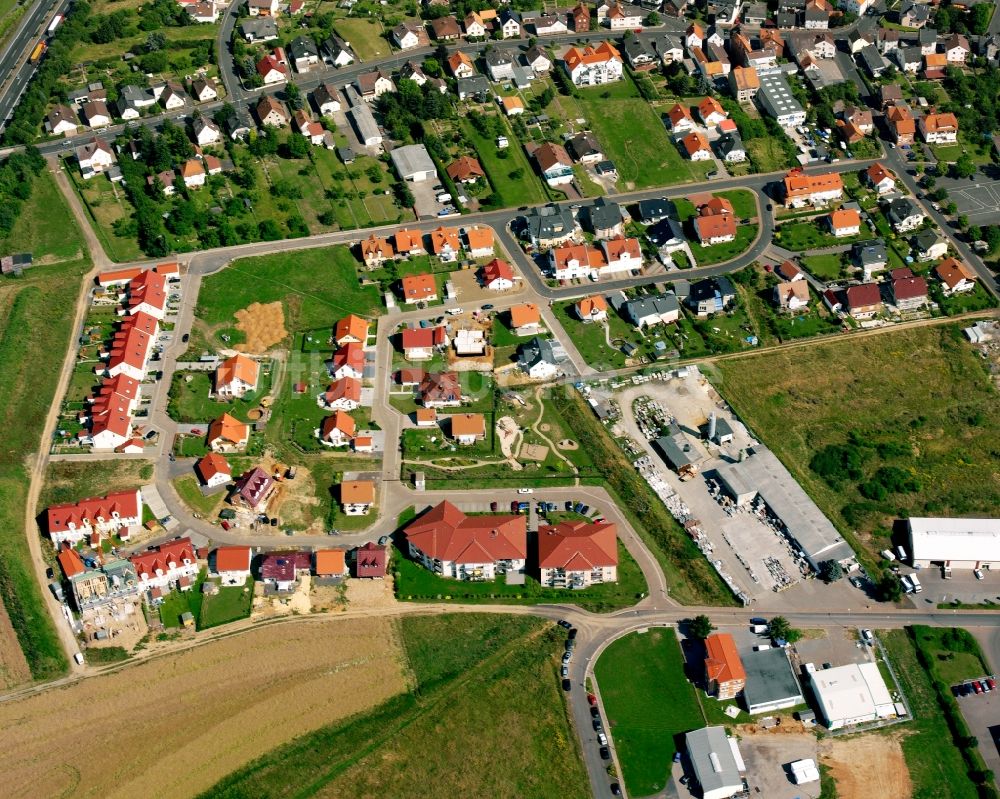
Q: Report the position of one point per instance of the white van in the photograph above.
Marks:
(78, 657)
(907, 584)
(915, 581)
(888, 555)
(901, 553)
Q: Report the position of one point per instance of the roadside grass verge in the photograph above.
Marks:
(649, 704)
(69, 481)
(496, 697)
(188, 490)
(935, 765)
(690, 577)
(29, 372)
(933, 417)
(45, 226)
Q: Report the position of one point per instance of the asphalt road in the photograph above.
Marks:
(15, 70)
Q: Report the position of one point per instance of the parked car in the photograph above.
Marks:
(597, 725)
(976, 687)
(991, 683)
(985, 686)
(595, 712)
(566, 685)
(567, 657)
(513, 506)
(493, 507)
(605, 753)
(979, 574)
(602, 739)
(616, 789)
(592, 699)
(565, 670)
(525, 491)
(185, 337)
(564, 623)
(572, 633)
(569, 505)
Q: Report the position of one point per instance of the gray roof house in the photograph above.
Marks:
(499, 64)
(303, 53)
(259, 29)
(655, 209)
(584, 147)
(605, 218)
(648, 311)
(473, 85)
(540, 357)
(547, 226)
(872, 60)
(871, 256)
(904, 214)
(711, 295)
(666, 235)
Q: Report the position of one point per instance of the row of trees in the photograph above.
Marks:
(778, 628)
(17, 176)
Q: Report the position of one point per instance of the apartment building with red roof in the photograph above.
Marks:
(449, 543)
(725, 676)
(147, 292)
(577, 554)
(169, 565)
(131, 345)
(72, 522)
(800, 189)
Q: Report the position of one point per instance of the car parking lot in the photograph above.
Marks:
(962, 587)
(982, 714)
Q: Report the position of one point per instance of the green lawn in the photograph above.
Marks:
(976, 300)
(955, 654)
(190, 492)
(589, 337)
(45, 226)
(365, 37)
(646, 156)
(190, 402)
(935, 765)
(744, 202)
(317, 287)
(177, 603)
(936, 400)
(230, 604)
(523, 190)
(414, 582)
(767, 155)
(814, 235)
(649, 705)
(824, 267)
(719, 253)
(497, 694)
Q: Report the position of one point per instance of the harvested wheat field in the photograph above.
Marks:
(182, 722)
(13, 667)
(263, 326)
(868, 765)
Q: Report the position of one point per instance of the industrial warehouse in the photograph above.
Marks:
(958, 543)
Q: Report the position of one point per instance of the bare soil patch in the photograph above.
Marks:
(868, 765)
(13, 667)
(263, 326)
(196, 716)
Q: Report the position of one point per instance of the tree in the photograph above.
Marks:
(991, 236)
(964, 167)
(888, 588)
(975, 233)
(432, 67)
(701, 627)
(653, 19)
(780, 629)
(293, 96)
(155, 41)
(830, 571)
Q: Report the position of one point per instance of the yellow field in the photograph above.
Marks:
(175, 725)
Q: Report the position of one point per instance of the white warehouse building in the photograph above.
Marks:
(717, 763)
(959, 543)
(413, 163)
(852, 694)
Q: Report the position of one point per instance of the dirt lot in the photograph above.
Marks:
(184, 721)
(263, 325)
(13, 667)
(866, 766)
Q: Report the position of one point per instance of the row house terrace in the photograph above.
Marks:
(169, 565)
(113, 514)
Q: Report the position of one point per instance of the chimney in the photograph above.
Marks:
(711, 427)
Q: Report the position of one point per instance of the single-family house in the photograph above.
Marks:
(375, 251)
(206, 132)
(880, 179)
(348, 361)
(695, 146)
(446, 29)
(373, 84)
(744, 84)
(420, 343)
(791, 295)
(725, 676)
(554, 164)
(61, 120)
(357, 497)
(525, 319)
(213, 470)
(907, 291)
(938, 128)
(497, 275)
(863, 301)
(273, 68)
(870, 256)
(271, 112)
(304, 53)
(955, 277)
(419, 288)
(228, 434)
(236, 377)
(592, 309)
(800, 189)
(440, 390)
(499, 64)
(460, 65)
(329, 563)
(370, 561)
(94, 157)
(956, 49)
(929, 245)
(259, 29)
(280, 571)
(467, 428)
(95, 114)
(351, 329)
(445, 243)
(343, 394)
(536, 58)
(904, 214)
(408, 35)
(712, 295)
(479, 241)
(711, 112)
(338, 430)
(648, 311)
(231, 564)
(337, 51)
(844, 222)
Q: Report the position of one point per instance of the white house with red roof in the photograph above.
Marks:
(231, 564)
(213, 470)
(102, 515)
(498, 275)
(449, 543)
(349, 361)
(338, 430)
(577, 554)
(170, 565)
(147, 292)
(621, 254)
(341, 395)
(420, 343)
(593, 66)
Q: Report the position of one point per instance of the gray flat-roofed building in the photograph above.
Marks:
(771, 684)
(804, 522)
(716, 761)
(363, 121)
(735, 484)
(776, 98)
(413, 163)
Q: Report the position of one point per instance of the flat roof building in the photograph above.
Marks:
(413, 163)
(852, 694)
(771, 684)
(960, 543)
(776, 98)
(716, 761)
(804, 522)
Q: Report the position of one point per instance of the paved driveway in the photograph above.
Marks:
(982, 713)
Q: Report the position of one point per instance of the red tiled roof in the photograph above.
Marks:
(864, 295)
(211, 465)
(447, 534)
(497, 269)
(173, 552)
(722, 661)
(70, 562)
(370, 560)
(584, 545)
(59, 517)
(282, 566)
(232, 559)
